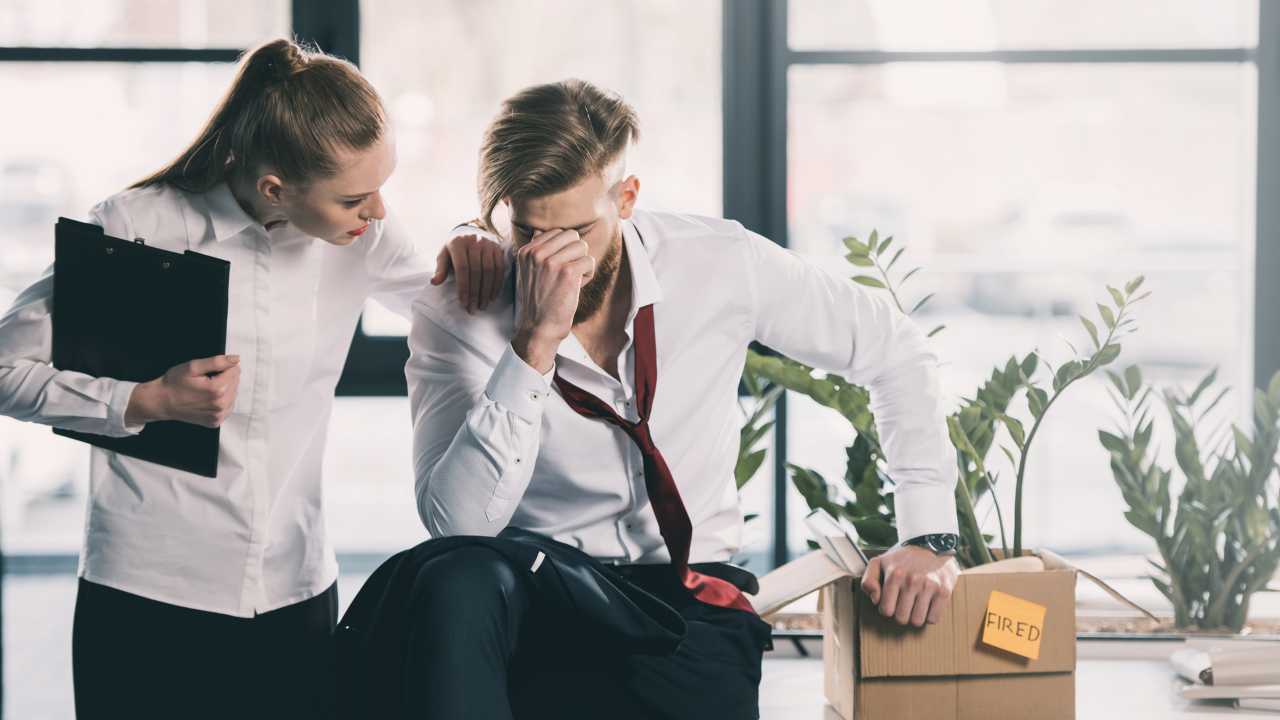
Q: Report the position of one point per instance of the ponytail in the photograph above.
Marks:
(289, 109)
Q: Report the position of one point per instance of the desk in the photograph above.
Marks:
(1125, 680)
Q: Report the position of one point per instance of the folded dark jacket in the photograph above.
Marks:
(372, 635)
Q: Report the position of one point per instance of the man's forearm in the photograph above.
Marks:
(474, 457)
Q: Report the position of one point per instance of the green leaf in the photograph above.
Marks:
(895, 255)
(936, 330)
(921, 303)
(1242, 442)
(1016, 430)
(856, 246)
(1132, 378)
(868, 281)
(1117, 296)
(1029, 364)
(1093, 330)
(1273, 390)
(1119, 383)
(1107, 316)
(1037, 400)
(860, 260)
(1067, 372)
(747, 468)
(1111, 442)
(884, 246)
(873, 241)
(1009, 454)
(1133, 284)
(907, 277)
(1108, 354)
(1204, 384)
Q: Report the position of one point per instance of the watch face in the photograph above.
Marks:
(938, 543)
(943, 543)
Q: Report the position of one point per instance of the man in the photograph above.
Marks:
(595, 404)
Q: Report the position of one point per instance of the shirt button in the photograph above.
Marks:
(517, 461)
(534, 396)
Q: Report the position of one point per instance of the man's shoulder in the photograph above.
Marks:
(682, 228)
(440, 317)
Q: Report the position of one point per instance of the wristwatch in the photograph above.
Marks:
(939, 543)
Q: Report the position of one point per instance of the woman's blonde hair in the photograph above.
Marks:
(289, 109)
(549, 137)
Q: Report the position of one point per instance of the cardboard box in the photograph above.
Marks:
(876, 668)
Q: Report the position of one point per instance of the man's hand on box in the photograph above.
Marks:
(911, 584)
(480, 265)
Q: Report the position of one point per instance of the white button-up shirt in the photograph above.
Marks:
(253, 539)
(495, 445)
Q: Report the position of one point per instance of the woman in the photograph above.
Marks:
(216, 597)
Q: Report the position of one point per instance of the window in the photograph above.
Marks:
(87, 126)
(1028, 152)
(88, 25)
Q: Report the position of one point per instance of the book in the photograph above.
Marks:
(1254, 665)
(839, 541)
(1270, 704)
(1198, 691)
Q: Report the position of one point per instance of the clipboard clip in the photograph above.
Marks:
(137, 240)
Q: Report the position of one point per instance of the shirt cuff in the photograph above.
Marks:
(925, 510)
(518, 387)
(120, 396)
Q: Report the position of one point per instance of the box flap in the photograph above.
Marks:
(953, 646)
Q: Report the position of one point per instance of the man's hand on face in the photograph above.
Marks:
(911, 584)
(550, 271)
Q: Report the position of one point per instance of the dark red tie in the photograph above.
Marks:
(664, 496)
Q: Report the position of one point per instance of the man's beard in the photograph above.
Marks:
(592, 295)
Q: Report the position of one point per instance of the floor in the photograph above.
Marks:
(37, 638)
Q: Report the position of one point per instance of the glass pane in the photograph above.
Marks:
(443, 72)
(1020, 24)
(61, 161)
(141, 23)
(1023, 190)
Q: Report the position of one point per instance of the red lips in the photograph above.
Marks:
(359, 232)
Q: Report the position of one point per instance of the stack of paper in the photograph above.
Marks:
(1249, 675)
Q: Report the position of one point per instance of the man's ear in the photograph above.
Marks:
(271, 188)
(628, 193)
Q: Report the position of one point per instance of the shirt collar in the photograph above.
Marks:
(645, 289)
(226, 217)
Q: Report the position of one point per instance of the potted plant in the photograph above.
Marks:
(1219, 538)
(1029, 383)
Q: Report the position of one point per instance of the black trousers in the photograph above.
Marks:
(138, 658)
(482, 646)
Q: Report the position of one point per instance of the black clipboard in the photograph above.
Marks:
(125, 310)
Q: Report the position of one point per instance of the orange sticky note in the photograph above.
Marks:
(1013, 624)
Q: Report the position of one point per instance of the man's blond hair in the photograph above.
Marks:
(548, 138)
